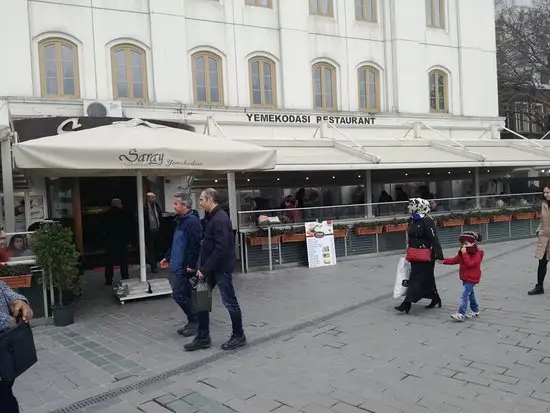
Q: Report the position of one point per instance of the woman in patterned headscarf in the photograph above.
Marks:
(422, 234)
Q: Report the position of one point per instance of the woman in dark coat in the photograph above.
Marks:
(422, 234)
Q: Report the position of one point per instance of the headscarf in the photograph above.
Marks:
(419, 207)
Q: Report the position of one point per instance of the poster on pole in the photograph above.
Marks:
(321, 250)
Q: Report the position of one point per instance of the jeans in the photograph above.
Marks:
(541, 271)
(224, 281)
(8, 402)
(468, 295)
(181, 292)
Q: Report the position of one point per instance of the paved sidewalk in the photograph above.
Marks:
(112, 347)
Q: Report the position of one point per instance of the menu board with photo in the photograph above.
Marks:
(321, 250)
(18, 246)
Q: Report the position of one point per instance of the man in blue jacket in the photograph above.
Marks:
(217, 262)
(183, 257)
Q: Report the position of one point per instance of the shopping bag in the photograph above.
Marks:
(402, 278)
(202, 297)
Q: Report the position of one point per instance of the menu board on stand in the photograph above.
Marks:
(321, 250)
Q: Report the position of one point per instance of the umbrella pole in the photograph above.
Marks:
(141, 229)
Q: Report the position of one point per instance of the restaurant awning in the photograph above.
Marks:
(329, 154)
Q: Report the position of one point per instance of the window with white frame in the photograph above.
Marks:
(365, 10)
(435, 13)
(528, 117)
(260, 3)
(321, 7)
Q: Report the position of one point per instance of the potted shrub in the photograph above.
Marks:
(477, 218)
(525, 213)
(261, 237)
(368, 228)
(16, 276)
(340, 230)
(293, 234)
(397, 225)
(57, 255)
(502, 215)
(451, 220)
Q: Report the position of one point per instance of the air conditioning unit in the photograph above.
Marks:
(103, 108)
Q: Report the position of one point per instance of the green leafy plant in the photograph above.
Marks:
(57, 255)
(15, 270)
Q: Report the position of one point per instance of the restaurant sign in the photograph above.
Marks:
(332, 119)
(154, 159)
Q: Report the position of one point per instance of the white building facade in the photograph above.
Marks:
(390, 62)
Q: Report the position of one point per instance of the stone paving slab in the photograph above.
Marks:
(111, 345)
(376, 360)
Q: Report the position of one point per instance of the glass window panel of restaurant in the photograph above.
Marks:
(365, 10)
(262, 82)
(321, 7)
(58, 59)
(207, 78)
(324, 86)
(369, 89)
(438, 91)
(129, 73)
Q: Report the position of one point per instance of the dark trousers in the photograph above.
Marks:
(181, 292)
(116, 254)
(8, 402)
(152, 241)
(541, 270)
(224, 282)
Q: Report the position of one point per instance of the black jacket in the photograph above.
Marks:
(119, 226)
(422, 234)
(218, 244)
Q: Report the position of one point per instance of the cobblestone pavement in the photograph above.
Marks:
(364, 358)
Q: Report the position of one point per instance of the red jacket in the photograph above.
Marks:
(470, 265)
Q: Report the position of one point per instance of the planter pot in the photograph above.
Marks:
(259, 241)
(522, 216)
(293, 238)
(501, 218)
(340, 233)
(18, 281)
(477, 221)
(395, 228)
(63, 315)
(538, 215)
(451, 223)
(368, 231)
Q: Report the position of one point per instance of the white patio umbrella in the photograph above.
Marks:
(138, 148)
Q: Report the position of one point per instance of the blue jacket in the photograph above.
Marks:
(218, 244)
(186, 244)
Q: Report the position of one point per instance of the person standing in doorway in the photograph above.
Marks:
(117, 233)
(152, 218)
(542, 252)
(183, 257)
(217, 262)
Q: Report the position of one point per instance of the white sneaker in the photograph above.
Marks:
(458, 317)
(472, 314)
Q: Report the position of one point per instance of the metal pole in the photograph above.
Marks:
(368, 199)
(7, 180)
(27, 200)
(477, 187)
(141, 229)
(269, 246)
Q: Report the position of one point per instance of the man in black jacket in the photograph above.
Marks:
(217, 262)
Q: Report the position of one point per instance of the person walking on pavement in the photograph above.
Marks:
(217, 262)
(183, 257)
(117, 234)
(152, 218)
(543, 245)
(12, 305)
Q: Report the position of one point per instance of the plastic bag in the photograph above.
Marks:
(402, 278)
(202, 297)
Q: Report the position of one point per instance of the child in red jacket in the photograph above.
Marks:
(469, 258)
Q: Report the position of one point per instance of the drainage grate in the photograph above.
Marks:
(111, 394)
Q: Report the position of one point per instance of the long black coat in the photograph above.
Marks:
(422, 233)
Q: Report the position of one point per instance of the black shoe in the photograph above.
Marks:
(435, 301)
(537, 290)
(189, 330)
(405, 306)
(234, 342)
(198, 344)
(108, 282)
(125, 277)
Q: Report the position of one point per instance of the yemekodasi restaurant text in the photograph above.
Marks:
(333, 119)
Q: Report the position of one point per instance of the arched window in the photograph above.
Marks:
(58, 60)
(262, 82)
(438, 91)
(207, 78)
(324, 86)
(369, 89)
(129, 70)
